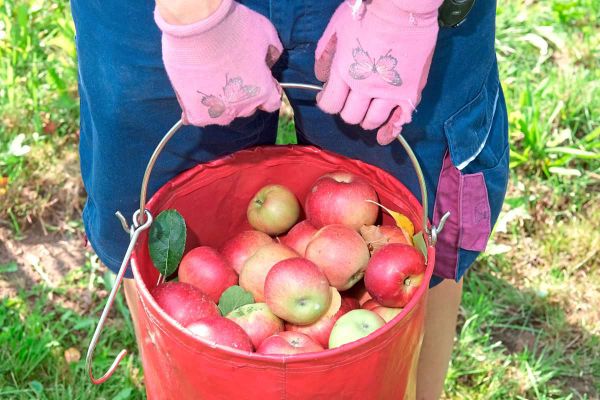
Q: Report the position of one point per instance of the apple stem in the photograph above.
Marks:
(259, 202)
(407, 281)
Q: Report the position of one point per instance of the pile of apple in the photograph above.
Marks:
(301, 286)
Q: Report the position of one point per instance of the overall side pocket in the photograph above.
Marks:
(473, 179)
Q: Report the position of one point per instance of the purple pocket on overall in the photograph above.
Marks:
(465, 196)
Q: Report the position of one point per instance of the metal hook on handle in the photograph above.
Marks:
(135, 231)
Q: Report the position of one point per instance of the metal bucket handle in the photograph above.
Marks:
(142, 220)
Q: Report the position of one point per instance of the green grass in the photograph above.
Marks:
(38, 326)
(529, 326)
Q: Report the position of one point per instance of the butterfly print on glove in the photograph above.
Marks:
(234, 91)
(365, 66)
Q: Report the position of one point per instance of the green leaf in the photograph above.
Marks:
(11, 266)
(37, 387)
(419, 243)
(234, 297)
(167, 241)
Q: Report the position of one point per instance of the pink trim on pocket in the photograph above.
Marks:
(469, 224)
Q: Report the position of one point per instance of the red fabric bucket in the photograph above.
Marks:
(212, 198)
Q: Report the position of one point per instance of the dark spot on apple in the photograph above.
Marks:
(259, 202)
(365, 326)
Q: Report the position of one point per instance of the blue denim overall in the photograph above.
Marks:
(459, 130)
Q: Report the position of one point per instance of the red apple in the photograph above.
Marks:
(341, 198)
(320, 330)
(257, 321)
(299, 236)
(256, 268)
(387, 313)
(273, 210)
(341, 253)
(289, 343)
(206, 269)
(297, 291)
(222, 331)
(350, 302)
(242, 246)
(378, 236)
(183, 302)
(394, 273)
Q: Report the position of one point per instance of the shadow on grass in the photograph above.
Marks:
(519, 343)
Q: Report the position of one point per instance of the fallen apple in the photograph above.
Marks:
(206, 269)
(243, 246)
(274, 209)
(289, 343)
(183, 302)
(394, 274)
(387, 313)
(256, 268)
(353, 326)
(221, 331)
(341, 253)
(297, 291)
(257, 321)
(299, 236)
(341, 198)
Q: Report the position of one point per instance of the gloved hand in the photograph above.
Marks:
(220, 66)
(375, 61)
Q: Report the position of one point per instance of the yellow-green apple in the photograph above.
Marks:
(183, 302)
(297, 291)
(321, 329)
(289, 343)
(206, 269)
(394, 273)
(387, 313)
(222, 331)
(354, 325)
(273, 210)
(341, 253)
(341, 198)
(242, 246)
(257, 321)
(299, 236)
(256, 268)
(378, 236)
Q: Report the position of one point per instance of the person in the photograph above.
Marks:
(387, 68)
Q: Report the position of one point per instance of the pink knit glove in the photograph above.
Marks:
(220, 66)
(375, 60)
